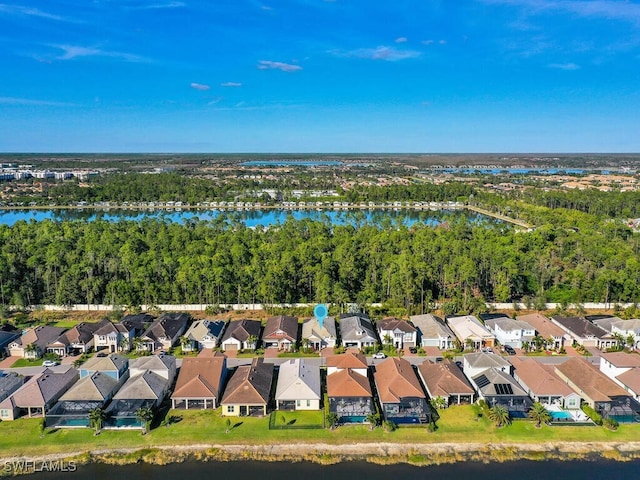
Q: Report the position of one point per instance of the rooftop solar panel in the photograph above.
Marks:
(482, 381)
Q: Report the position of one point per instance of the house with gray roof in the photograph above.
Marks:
(114, 337)
(298, 386)
(280, 332)
(496, 387)
(474, 363)
(162, 365)
(625, 328)
(203, 334)
(75, 341)
(114, 365)
(8, 333)
(38, 394)
(510, 332)
(357, 331)
(249, 389)
(399, 333)
(241, 335)
(585, 333)
(320, 337)
(88, 393)
(164, 332)
(433, 332)
(9, 383)
(33, 342)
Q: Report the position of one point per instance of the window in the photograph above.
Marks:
(231, 409)
(572, 402)
(297, 403)
(4, 413)
(308, 403)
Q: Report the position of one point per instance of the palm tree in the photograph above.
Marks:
(137, 343)
(470, 344)
(124, 344)
(372, 419)
(185, 343)
(499, 415)
(332, 420)
(539, 414)
(144, 415)
(96, 417)
(31, 350)
(252, 340)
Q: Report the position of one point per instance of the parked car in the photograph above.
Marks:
(379, 355)
(49, 363)
(509, 349)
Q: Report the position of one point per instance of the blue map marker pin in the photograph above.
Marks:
(320, 312)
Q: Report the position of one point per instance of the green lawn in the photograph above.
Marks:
(300, 418)
(25, 362)
(66, 323)
(456, 425)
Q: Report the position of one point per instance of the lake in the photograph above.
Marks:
(250, 217)
(520, 470)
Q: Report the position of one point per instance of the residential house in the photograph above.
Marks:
(357, 331)
(400, 393)
(203, 334)
(350, 395)
(445, 380)
(320, 337)
(140, 391)
(475, 363)
(137, 323)
(554, 335)
(585, 333)
(164, 332)
(75, 405)
(471, 332)
(8, 334)
(162, 365)
(298, 386)
(241, 335)
(280, 332)
(114, 365)
(510, 332)
(114, 337)
(353, 361)
(433, 332)
(75, 341)
(543, 385)
(627, 329)
(9, 383)
(396, 332)
(200, 382)
(248, 390)
(598, 391)
(622, 368)
(497, 387)
(33, 343)
(35, 397)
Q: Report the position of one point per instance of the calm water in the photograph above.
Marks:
(291, 163)
(250, 218)
(521, 470)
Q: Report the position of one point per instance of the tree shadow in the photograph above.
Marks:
(291, 422)
(237, 425)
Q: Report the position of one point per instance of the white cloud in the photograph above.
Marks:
(564, 66)
(31, 12)
(156, 6)
(401, 39)
(389, 54)
(231, 84)
(27, 101)
(200, 86)
(74, 51)
(285, 67)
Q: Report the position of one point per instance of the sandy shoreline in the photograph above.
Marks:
(382, 453)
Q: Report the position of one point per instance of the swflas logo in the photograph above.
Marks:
(16, 467)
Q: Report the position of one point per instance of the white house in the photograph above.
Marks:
(469, 329)
(511, 332)
(398, 333)
(298, 386)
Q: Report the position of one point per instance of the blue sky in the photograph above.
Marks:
(320, 76)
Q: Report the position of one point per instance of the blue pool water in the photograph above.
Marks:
(560, 415)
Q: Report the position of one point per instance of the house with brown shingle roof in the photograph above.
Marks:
(248, 390)
(241, 335)
(199, 383)
(164, 332)
(546, 329)
(350, 395)
(280, 332)
(585, 333)
(396, 332)
(77, 340)
(543, 385)
(114, 337)
(600, 392)
(446, 380)
(400, 393)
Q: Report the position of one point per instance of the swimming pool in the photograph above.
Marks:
(560, 415)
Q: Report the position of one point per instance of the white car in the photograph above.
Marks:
(49, 363)
(380, 355)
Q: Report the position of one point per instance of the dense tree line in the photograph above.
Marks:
(154, 262)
